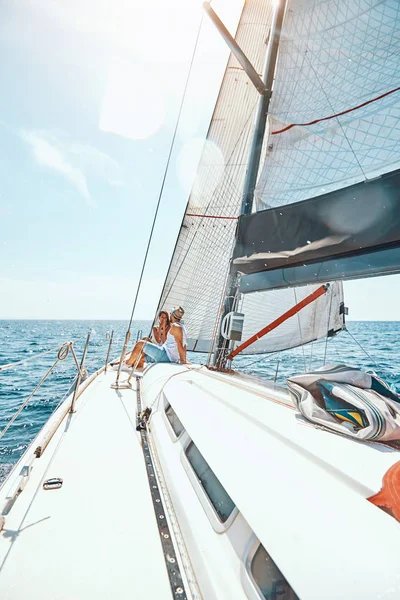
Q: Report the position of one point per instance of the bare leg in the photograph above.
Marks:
(134, 356)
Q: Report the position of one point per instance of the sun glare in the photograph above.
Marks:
(191, 179)
(133, 105)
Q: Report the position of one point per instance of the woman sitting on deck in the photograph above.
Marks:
(172, 350)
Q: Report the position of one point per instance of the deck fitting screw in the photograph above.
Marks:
(179, 590)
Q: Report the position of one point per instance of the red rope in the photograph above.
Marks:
(337, 114)
(211, 216)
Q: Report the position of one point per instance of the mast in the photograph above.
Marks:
(256, 145)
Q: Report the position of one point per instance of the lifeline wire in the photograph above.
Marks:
(165, 172)
(36, 355)
(11, 421)
(24, 360)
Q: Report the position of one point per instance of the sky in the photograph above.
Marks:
(90, 97)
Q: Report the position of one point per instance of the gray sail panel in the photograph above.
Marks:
(323, 317)
(199, 267)
(352, 221)
(334, 55)
(344, 234)
(373, 264)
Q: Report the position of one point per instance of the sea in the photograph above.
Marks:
(368, 345)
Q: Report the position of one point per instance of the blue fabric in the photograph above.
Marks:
(155, 353)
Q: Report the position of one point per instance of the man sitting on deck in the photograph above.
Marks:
(173, 350)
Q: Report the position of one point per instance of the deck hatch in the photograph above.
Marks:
(218, 496)
(269, 580)
(174, 420)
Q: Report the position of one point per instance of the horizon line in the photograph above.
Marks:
(150, 319)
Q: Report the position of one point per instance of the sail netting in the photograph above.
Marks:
(198, 273)
(199, 267)
(334, 55)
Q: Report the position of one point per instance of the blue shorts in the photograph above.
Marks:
(155, 353)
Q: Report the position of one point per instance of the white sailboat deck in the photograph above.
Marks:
(302, 491)
(96, 536)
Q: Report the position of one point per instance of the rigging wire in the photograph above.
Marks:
(336, 348)
(362, 348)
(311, 355)
(166, 171)
(254, 362)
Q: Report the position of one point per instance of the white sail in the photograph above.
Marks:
(323, 317)
(334, 55)
(198, 272)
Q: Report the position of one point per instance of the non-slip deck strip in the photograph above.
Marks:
(171, 562)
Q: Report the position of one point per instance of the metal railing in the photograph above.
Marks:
(62, 353)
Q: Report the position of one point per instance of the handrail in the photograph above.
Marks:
(75, 358)
(61, 355)
(109, 349)
(121, 360)
(80, 373)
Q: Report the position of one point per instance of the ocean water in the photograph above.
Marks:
(367, 345)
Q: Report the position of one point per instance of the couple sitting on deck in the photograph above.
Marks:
(170, 336)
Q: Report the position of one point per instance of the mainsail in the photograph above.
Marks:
(199, 267)
(334, 55)
(200, 264)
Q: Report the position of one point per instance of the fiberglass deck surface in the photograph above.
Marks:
(97, 536)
